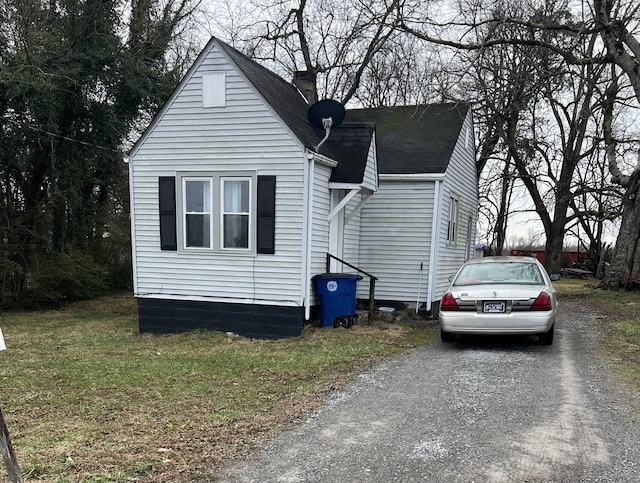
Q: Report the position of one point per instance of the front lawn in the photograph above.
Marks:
(86, 398)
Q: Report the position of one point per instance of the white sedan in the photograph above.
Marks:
(500, 295)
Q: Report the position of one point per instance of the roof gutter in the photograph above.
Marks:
(412, 177)
(321, 159)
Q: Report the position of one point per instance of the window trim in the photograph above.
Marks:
(216, 204)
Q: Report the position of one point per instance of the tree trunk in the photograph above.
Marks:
(553, 248)
(503, 211)
(626, 257)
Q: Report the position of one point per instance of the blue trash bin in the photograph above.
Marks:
(337, 292)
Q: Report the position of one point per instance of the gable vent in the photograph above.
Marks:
(214, 89)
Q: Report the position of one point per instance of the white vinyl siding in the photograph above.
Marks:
(396, 225)
(460, 182)
(320, 227)
(370, 179)
(351, 251)
(244, 135)
(395, 237)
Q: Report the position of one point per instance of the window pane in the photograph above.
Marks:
(198, 229)
(236, 196)
(236, 231)
(198, 196)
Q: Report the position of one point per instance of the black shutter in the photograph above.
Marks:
(167, 202)
(266, 214)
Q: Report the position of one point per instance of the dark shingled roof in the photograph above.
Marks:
(410, 139)
(350, 144)
(414, 139)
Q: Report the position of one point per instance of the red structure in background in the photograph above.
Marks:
(568, 258)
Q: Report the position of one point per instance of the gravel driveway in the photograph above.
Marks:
(478, 410)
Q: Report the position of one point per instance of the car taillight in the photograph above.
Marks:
(543, 302)
(448, 302)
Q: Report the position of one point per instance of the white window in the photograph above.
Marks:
(217, 211)
(467, 249)
(197, 212)
(236, 203)
(452, 225)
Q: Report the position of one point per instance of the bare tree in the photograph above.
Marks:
(334, 41)
(540, 110)
(402, 73)
(496, 201)
(616, 24)
(626, 259)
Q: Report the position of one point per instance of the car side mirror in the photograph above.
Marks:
(554, 277)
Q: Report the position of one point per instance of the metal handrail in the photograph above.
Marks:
(372, 282)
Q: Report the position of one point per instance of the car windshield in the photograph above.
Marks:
(499, 272)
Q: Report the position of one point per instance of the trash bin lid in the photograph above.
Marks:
(333, 276)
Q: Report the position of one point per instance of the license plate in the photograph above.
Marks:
(494, 307)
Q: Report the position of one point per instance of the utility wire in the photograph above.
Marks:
(60, 136)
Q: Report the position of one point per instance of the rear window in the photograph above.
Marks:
(504, 273)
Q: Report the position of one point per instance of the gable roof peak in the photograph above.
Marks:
(285, 98)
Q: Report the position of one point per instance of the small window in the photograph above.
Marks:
(467, 249)
(214, 89)
(452, 224)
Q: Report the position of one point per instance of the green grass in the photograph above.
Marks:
(619, 319)
(86, 398)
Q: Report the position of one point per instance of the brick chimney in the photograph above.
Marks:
(305, 81)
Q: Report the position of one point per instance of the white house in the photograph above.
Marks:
(234, 207)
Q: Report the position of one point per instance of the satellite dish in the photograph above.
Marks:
(325, 115)
(326, 109)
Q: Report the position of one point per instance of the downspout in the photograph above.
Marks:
(435, 239)
(309, 231)
(132, 211)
